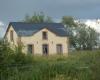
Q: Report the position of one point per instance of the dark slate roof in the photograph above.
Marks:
(28, 29)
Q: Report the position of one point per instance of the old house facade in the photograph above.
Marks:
(38, 38)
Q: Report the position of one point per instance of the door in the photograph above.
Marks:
(31, 49)
(59, 49)
(45, 49)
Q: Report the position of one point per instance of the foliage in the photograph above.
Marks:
(9, 56)
(69, 21)
(5, 52)
(38, 18)
(80, 65)
(10, 59)
(85, 37)
(81, 36)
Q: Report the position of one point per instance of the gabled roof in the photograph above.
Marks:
(29, 29)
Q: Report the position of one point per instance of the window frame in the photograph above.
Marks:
(45, 35)
(12, 35)
(32, 48)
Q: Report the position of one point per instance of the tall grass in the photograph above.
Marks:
(83, 65)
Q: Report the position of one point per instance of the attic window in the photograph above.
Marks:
(44, 35)
(11, 35)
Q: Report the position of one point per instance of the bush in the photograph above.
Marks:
(11, 61)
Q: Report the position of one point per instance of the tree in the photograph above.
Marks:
(81, 36)
(85, 37)
(70, 26)
(38, 18)
(69, 21)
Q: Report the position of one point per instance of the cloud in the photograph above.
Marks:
(13, 10)
(2, 29)
(93, 23)
(1, 24)
(76, 8)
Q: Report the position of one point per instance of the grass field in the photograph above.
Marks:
(79, 65)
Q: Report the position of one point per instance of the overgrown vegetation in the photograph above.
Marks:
(80, 65)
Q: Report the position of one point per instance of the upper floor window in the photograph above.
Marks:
(11, 36)
(44, 35)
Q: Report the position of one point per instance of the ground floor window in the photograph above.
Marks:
(45, 49)
(30, 49)
(59, 48)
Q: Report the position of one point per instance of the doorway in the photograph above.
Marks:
(45, 49)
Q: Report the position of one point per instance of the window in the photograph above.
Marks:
(44, 35)
(11, 35)
(59, 48)
(31, 49)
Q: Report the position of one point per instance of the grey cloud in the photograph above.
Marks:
(13, 10)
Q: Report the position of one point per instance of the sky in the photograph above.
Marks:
(15, 10)
(94, 24)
